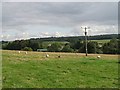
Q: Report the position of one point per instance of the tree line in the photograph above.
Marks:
(110, 47)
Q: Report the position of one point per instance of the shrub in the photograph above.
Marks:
(67, 48)
(27, 49)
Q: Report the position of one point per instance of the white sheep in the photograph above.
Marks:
(26, 53)
(98, 57)
(18, 51)
(47, 55)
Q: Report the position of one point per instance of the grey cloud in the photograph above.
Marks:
(16, 16)
(60, 1)
(61, 14)
(53, 34)
(16, 36)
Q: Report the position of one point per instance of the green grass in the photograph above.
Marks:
(34, 70)
(0, 70)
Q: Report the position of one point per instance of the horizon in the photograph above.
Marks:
(58, 37)
(25, 20)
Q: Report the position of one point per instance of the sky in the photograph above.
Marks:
(24, 20)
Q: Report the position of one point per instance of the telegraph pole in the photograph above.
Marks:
(86, 39)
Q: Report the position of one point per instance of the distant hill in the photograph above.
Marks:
(65, 44)
(73, 38)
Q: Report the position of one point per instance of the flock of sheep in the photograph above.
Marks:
(47, 55)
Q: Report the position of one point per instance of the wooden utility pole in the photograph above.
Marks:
(86, 40)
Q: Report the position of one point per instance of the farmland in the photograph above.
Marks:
(71, 70)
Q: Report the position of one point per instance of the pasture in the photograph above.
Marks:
(71, 70)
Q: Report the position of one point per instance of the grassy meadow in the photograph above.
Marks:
(71, 70)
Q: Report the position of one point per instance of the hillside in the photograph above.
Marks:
(73, 38)
(107, 44)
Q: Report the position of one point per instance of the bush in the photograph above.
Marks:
(55, 47)
(67, 48)
(99, 51)
(27, 49)
(111, 47)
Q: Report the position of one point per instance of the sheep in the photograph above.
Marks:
(59, 56)
(98, 57)
(47, 55)
(18, 51)
(26, 53)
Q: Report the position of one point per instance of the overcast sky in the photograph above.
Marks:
(23, 20)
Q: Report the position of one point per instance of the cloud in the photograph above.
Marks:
(47, 34)
(61, 1)
(61, 14)
(18, 17)
(16, 36)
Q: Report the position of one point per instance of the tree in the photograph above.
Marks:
(55, 47)
(111, 47)
(27, 49)
(34, 45)
(15, 45)
(77, 45)
(67, 48)
(119, 46)
(23, 43)
(92, 47)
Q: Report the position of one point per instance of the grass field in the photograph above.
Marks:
(34, 70)
(0, 70)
